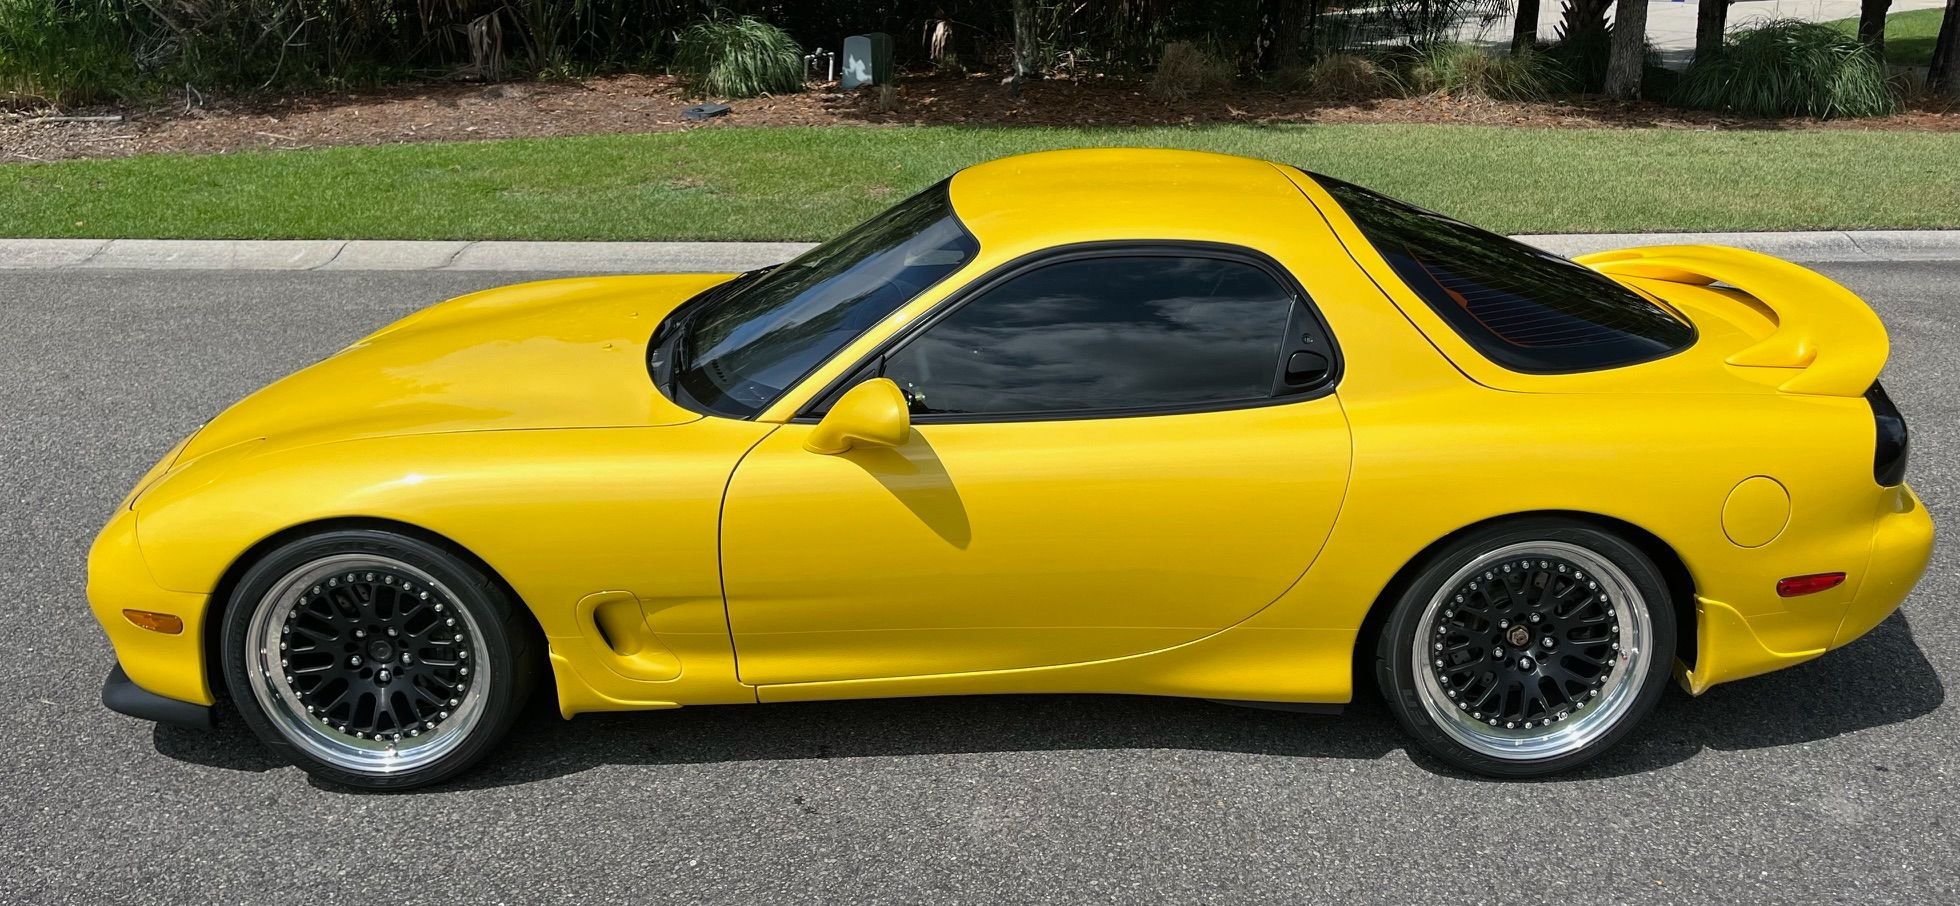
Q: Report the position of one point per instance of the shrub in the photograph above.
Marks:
(738, 58)
(1187, 69)
(1340, 77)
(1466, 70)
(1789, 67)
(63, 51)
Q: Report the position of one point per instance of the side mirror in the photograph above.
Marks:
(872, 414)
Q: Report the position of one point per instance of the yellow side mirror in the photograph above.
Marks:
(872, 414)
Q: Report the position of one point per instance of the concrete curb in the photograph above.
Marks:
(1819, 246)
(681, 257)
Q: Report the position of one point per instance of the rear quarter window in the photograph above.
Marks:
(1525, 309)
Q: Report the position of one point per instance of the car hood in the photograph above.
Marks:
(552, 354)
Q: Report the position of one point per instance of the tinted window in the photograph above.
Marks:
(1102, 334)
(737, 354)
(1525, 309)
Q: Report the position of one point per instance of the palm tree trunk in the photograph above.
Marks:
(1871, 25)
(1629, 55)
(1027, 41)
(1524, 28)
(1711, 21)
(1943, 77)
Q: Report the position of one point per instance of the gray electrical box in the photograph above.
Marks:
(867, 60)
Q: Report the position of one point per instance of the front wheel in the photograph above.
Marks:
(1528, 648)
(375, 660)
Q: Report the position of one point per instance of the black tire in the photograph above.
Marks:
(503, 644)
(1476, 661)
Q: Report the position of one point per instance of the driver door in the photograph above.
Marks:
(1108, 456)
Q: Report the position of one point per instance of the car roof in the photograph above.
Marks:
(1032, 201)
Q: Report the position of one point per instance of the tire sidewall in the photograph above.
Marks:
(501, 640)
(1395, 659)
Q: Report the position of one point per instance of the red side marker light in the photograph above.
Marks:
(1808, 585)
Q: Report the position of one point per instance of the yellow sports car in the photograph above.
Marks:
(1109, 421)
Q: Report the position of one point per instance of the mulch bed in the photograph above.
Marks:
(450, 111)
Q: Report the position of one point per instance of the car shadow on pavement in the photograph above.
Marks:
(1882, 679)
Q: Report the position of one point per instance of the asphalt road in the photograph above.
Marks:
(1832, 782)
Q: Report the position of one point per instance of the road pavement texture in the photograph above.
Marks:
(1831, 782)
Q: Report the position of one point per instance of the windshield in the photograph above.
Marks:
(1525, 309)
(736, 354)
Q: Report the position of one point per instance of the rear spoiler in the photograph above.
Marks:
(1821, 327)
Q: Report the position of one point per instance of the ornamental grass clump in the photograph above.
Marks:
(62, 53)
(1187, 69)
(1790, 68)
(738, 58)
(1349, 77)
(1463, 70)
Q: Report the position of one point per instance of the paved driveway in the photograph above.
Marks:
(1833, 782)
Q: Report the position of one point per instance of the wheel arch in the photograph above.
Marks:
(1674, 571)
(235, 571)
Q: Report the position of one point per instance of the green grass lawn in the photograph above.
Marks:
(1909, 36)
(807, 183)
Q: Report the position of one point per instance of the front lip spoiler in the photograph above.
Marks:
(121, 695)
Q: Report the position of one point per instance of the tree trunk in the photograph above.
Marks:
(1524, 29)
(1871, 25)
(1027, 41)
(1281, 25)
(1711, 21)
(1943, 77)
(1629, 55)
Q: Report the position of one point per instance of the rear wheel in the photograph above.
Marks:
(1528, 648)
(375, 660)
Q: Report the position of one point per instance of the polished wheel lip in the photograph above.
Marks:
(283, 706)
(1615, 698)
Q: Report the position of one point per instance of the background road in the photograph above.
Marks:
(1832, 782)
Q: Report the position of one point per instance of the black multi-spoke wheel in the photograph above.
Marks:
(375, 659)
(1528, 649)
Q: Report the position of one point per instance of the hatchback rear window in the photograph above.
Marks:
(1525, 309)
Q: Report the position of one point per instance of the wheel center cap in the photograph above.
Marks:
(379, 650)
(1519, 637)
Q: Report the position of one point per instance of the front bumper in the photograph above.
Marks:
(1734, 646)
(122, 696)
(167, 665)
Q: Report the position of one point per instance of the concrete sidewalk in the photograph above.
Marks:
(1671, 26)
(681, 257)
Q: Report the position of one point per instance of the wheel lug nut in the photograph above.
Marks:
(393, 631)
(354, 661)
(1503, 624)
(383, 676)
(1497, 654)
(360, 633)
(1525, 663)
(1535, 618)
(1546, 641)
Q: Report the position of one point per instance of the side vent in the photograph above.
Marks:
(620, 628)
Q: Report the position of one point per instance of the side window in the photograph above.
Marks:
(1103, 335)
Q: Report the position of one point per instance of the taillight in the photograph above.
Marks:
(1889, 460)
